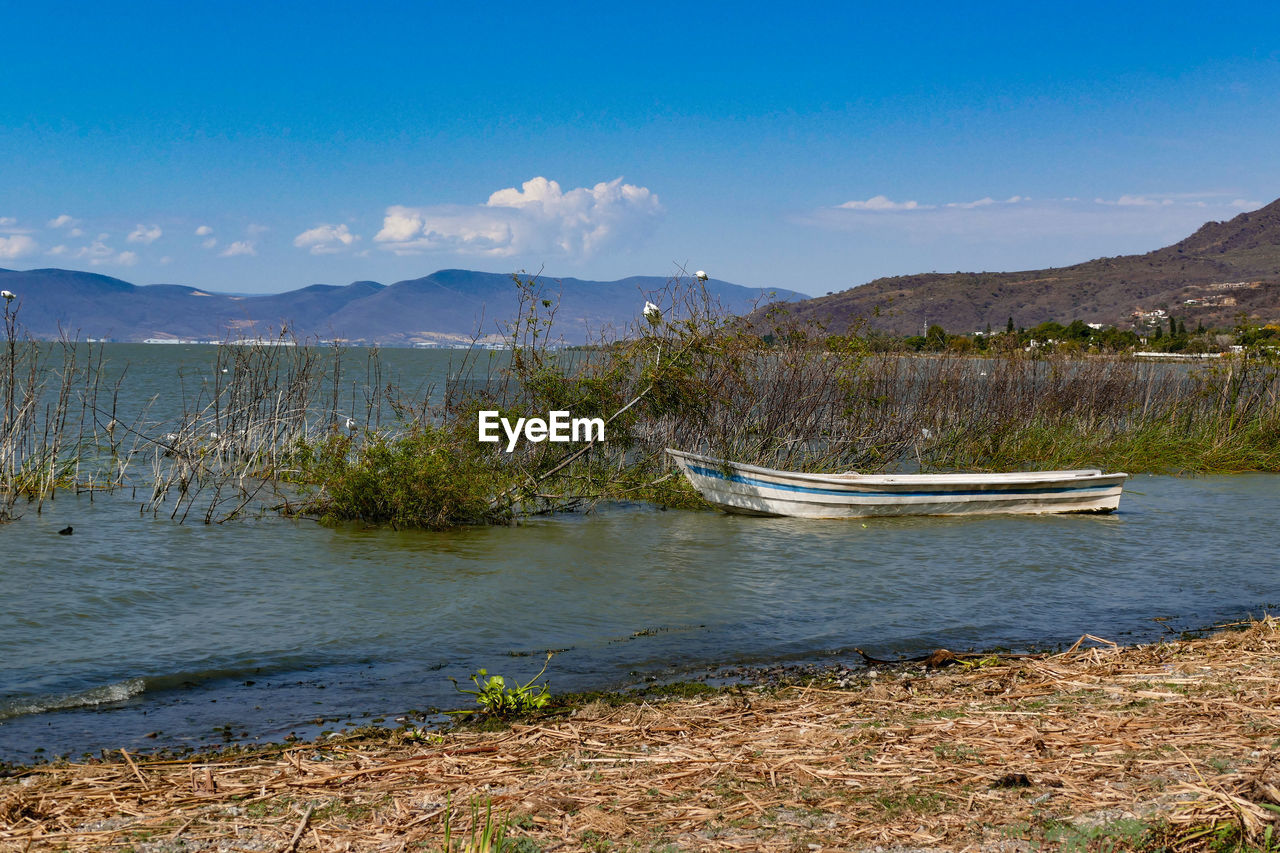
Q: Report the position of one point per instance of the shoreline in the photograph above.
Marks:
(842, 667)
(1168, 744)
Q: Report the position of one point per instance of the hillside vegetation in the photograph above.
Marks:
(1216, 276)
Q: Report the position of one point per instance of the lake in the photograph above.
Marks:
(139, 632)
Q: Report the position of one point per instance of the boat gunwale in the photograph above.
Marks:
(1074, 476)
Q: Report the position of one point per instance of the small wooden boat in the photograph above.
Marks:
(751, 490)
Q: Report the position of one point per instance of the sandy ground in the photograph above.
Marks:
(1165, 746)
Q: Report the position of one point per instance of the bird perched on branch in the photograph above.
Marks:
(8, 295)
(701, 276)
(652, 313)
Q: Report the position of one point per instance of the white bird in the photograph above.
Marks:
(351, 424)
(8, 294)
(700, 275)
(652, 313)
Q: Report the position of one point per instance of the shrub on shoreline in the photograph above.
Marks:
(415, 479)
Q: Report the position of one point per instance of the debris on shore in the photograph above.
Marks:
(1173, 745)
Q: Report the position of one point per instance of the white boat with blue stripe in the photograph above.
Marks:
(752, 490)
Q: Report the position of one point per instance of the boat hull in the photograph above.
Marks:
(752, 490)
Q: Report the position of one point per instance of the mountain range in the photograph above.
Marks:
(1224, 271)
(444, 308)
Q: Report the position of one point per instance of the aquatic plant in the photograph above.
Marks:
(422, 478)
(498, 699)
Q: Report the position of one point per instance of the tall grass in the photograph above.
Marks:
(236, 436)
(50, 399)
(1109, 412)
(289, 426)
(230, 447)
(700, 382)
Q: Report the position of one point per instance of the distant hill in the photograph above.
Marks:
(1223, 270)
(449, 306)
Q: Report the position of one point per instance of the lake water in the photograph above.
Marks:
(195, 634)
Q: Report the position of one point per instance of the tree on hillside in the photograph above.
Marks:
(1078, 331)
(1048, 330)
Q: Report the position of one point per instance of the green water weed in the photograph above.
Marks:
(498, 700)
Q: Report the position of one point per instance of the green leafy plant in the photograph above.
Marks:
(422, 736)
(426, 477)
(496, 699)
(487, 836)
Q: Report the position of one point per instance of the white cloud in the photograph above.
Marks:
(239, 247)
(210, 243)
(408, 230)
(204, 231)
(255, 230)
(325, 239)
(538, 218)
(400, 224)
(538, 191)
(96, 249)
(145, 234)
(16, 246)
(1137, 220)
(1136, 201)
(9, 225)
(1197, 199)
(57, 250)
(75, 232)
(880, 202)
(63, 221)
(99, 253)
(986, 202)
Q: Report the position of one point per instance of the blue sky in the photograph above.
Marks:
(262, 147)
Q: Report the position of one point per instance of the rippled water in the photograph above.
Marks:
(137, 626)
(159, 382)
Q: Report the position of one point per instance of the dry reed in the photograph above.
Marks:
(1170, 746)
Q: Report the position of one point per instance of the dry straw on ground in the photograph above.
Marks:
(1169, 745)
